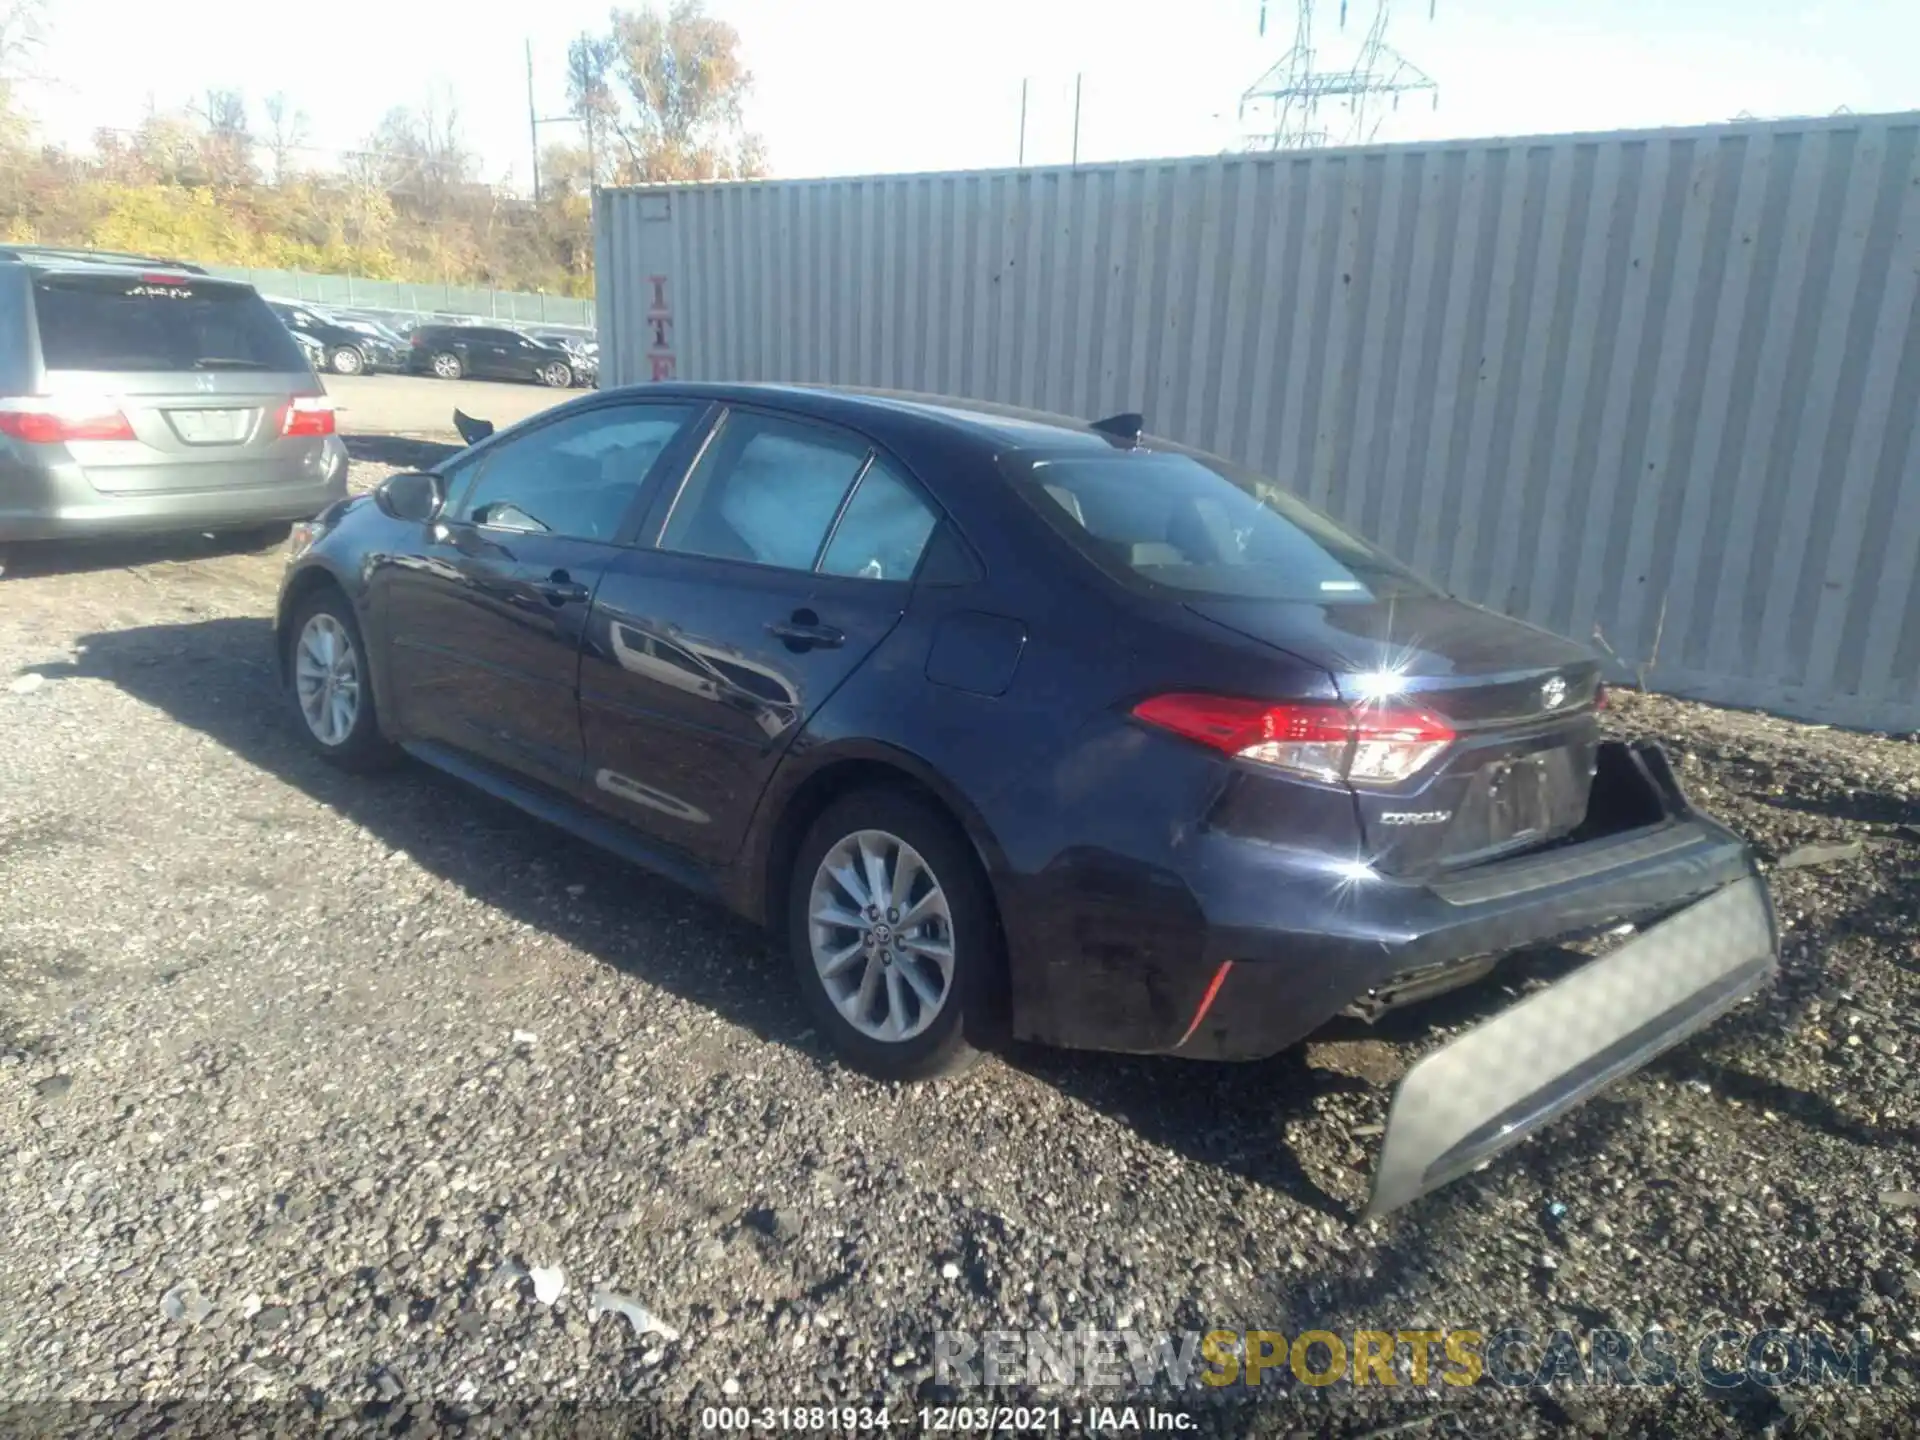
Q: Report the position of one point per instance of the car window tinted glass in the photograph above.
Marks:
(575, 477)
(766, 491)
(122, 323)
(1202, 528)
(883, 530)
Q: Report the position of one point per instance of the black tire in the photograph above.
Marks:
(363, 747)
(346, 360)
(446, 366)
(965, 1022)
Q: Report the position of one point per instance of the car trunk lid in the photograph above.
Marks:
(1519, 700)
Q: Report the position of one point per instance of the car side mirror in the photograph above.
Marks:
(414, 496)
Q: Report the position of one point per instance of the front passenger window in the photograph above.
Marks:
(575, 477)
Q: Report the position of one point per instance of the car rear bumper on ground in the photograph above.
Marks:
(1290, 940)
(55, 502)
(1467, 1101)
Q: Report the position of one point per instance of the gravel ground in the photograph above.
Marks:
(300, 1075)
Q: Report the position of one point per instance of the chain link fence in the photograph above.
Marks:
(466, 301)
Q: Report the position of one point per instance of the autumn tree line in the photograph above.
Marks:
(232, 181)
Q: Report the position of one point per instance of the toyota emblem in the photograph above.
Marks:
(1553, 694)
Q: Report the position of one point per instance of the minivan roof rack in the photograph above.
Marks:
(61, 255)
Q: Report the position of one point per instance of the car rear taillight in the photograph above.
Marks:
(307, 415)
(1360, 745)
(419, 342)
(1600, 695)
(42, 420)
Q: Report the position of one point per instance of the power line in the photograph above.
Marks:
(1297, 90)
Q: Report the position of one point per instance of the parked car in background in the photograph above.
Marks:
(350, 349)
(378, 329)
(584, 350)
(846, 662)
(489, 352)
(138, 394)
(315, 352)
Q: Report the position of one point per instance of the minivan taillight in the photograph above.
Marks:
(1358, 744)
(43, 420)
(307, 415)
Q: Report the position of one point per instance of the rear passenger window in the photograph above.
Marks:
(766, 491)
(883, 530)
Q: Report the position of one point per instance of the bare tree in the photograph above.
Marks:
(670, 89)
(590, 62)
(23, 31)
(228, 146)
(419, 151)
(286, 134)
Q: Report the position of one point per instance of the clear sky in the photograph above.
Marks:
(861, 86)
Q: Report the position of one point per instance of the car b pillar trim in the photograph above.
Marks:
(1473, 1098)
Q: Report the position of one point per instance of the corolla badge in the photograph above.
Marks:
(1553, 694)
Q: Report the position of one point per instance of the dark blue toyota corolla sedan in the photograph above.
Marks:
(1015, 724)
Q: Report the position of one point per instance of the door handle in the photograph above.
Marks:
(561, 588)
(805, 632)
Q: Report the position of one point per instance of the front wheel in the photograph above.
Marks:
(447, 365)
(330, 686)
(557, 375)
(894, 937)
(347, 361)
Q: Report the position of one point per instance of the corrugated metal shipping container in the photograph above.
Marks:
(1659, 384)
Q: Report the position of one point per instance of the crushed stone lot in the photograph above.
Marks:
(309, 1083)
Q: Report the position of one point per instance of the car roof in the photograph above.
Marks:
(1002, 427)
(54, 257)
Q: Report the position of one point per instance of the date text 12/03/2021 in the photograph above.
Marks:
(946, 1419)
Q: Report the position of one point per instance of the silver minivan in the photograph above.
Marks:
(142, 396)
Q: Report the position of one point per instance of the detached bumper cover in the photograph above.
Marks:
(1504, 1079)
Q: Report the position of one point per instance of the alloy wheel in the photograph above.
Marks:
(326, 676)
(447, 367)
(558, 376)
(881, 934)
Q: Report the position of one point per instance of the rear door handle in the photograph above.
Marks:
(807, 634)
(561, 588)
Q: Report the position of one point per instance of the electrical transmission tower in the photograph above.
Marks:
(1306, 103)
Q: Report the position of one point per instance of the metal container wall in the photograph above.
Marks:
(1660, 385)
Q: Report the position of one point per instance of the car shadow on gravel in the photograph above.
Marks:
(81, 557)
(217, 677)
(403, 451)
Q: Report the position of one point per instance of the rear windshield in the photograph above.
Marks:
(1203, 528)
(121, 322)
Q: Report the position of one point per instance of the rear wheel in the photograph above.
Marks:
(447, 365)
(330, 688)
(346, 360)
(893, 936)
(557, 374)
